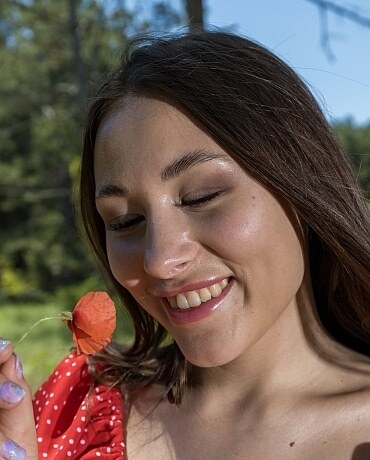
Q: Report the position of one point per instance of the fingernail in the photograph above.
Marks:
(11, 392)
(18, 367)
(3, 344)
(12, 451)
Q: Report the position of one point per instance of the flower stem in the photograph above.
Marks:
(33, 326)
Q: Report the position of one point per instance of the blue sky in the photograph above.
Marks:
(291, 28)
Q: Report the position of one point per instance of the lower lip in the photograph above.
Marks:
(194, 314)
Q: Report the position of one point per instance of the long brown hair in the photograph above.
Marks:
(261, 113)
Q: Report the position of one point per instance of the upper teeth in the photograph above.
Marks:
(192, 299)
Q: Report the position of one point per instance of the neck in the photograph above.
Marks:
(283, 361)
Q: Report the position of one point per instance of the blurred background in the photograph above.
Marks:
(52, 53)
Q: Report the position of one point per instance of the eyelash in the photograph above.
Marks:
(201, 200)
(126, 226)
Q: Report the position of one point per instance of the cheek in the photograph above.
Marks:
(260, 243)
(232, 232)
(125, 261)
(126, 264)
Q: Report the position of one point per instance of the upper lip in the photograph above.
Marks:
(189, 287)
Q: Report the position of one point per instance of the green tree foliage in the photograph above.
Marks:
(50, 51)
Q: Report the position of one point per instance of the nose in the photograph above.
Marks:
(170, 249)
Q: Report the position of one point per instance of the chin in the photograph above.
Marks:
(214, 357)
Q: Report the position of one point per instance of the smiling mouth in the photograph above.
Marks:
(192, 299)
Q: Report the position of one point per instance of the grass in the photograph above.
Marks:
(49, 342)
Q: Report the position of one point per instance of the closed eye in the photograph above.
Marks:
(121, 224)
(200, 200)
(124, 224)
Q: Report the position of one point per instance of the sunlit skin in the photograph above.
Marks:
(179, 212)
(241, 233)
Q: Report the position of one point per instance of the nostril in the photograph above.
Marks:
(181, 266)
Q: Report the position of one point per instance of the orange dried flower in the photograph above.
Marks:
(93, 322)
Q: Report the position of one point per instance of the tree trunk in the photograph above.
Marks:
(195, 13)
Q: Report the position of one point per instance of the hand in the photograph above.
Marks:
(17, 427)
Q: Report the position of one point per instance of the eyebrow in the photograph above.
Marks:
(111, 190)
(187, 161)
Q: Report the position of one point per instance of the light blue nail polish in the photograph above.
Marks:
(12, 451)
(11, 392)
(18, 367)
(3, 344)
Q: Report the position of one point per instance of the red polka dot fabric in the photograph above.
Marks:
(76, 420)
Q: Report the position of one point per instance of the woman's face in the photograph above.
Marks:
(204, 248)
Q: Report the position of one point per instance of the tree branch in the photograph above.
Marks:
(346, 13)
(326, 6)
(325, 34)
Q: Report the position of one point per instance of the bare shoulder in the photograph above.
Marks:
(349, 383)
(347, 410)
(345, 434)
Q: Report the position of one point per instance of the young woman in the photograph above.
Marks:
(225, 215)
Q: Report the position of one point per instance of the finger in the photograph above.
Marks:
(13, 387)
(16, 414)
(12, 369)
(17, 420)
(11, 394)
(6, 349)
(10, 450)
(10, 365)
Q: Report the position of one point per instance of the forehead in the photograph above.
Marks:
(143, 133)
(136, 116)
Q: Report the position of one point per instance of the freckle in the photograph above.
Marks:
(292, 444)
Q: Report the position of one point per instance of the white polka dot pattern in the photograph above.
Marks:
(75, 422)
